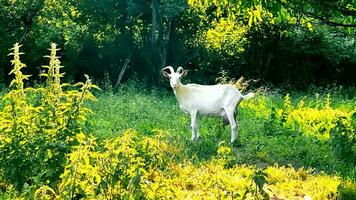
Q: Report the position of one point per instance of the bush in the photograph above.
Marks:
(315, 121)
(343, 139)
(347, 191)
(118, 170)
(38, 125)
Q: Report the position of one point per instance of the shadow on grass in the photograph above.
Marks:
(255, 147)
(291, 149)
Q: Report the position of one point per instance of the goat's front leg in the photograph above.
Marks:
(193, 124)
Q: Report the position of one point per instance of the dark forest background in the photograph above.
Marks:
(280, 42)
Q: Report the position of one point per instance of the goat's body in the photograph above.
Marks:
(218, 100)
(215, 100)
(207, 99)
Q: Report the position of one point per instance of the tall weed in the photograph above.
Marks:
(38, 126)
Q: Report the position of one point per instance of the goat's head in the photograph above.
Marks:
(174, 77)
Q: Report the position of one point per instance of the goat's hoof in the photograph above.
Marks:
(194, 139)
(235, 143)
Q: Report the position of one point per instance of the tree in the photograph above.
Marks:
(127, 37)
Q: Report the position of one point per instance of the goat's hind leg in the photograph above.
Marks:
(225, 119)
(234, 126)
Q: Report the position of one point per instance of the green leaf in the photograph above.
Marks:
(250, 21)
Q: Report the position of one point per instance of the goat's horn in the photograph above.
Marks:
(179, 70)
(170, 68)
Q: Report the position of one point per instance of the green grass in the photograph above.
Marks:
(147, 110)
(297, 162)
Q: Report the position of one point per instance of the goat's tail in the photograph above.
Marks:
(248, 96)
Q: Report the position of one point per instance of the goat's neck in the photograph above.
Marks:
(180, 92)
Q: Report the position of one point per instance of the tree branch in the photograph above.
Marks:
(329, 22)
(28, 21)
(340, 24)
(335, 7)
(325, 20)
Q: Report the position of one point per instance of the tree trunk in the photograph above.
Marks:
(160, 40)
(165, 45)
(154, 22)
(27, 28)
(123, 69)
(28, 19)
(268, 63)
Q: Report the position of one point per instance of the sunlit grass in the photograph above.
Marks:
(298, 163)
(148, 110)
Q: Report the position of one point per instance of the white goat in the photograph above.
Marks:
(218, 100)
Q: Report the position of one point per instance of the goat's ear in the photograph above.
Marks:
(165, 74)
(184, 73)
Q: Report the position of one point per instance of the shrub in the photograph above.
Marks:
(347, 190)
(343, 139)
(311, 121)
(38, 125)
(118, 170)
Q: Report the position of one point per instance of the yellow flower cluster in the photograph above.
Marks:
(311, 121)
(133, 166)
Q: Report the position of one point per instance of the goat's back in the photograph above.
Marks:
(211, 87)
(208, 99)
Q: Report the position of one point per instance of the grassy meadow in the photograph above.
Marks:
(296, 155)
(92, 118)
(259, 143)
(136, 144)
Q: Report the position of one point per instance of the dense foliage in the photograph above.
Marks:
(298, 42)
(38, 126)
(58, 142)
(301, 149)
